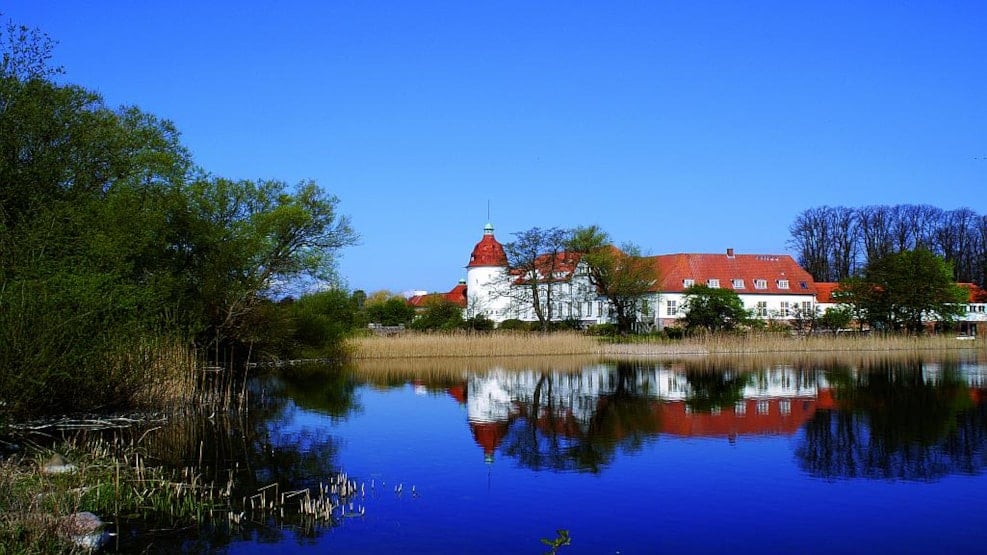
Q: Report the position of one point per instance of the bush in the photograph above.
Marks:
(674, 332)
(513, 324)
(606, 330)
(478, 323)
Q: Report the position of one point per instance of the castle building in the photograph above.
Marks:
(772, 287)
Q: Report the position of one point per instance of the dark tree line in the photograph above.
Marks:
(834, 243)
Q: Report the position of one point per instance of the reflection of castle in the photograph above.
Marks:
(778, 401)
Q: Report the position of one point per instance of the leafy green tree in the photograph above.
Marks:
(836, 318)
(902, 290)
(393, 312)
(623, 276)
(713, 309)
(320, 322)
(439, 314)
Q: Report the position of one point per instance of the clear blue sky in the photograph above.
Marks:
(679, 126)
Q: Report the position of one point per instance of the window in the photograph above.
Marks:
(737, 283)
(782, 284)
(715, 411)
(760, 284)
(803, 285)
(671, 307)
(687, 283)
(713, 282)
(645, 308)
(589, 309)
(740, 408)
(763, 407)
(762, 308)
(807, 307)
(785, 406)
(785, 310)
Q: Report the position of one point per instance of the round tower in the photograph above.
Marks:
(486, 278)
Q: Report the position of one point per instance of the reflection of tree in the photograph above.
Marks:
(253, 445)
(319, 388)
(895, 424)
(549, 437)
(713, 388)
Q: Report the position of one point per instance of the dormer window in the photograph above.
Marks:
(782, 284)
(713, 283)
(737, 283)
(760, 284)
(687, 283)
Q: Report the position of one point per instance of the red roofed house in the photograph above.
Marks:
(771, 286)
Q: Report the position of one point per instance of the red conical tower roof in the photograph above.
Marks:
(488, 252)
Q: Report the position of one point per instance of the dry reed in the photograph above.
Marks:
(464, 346)
(442, 345)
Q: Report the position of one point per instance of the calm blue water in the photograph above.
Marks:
(637, 458)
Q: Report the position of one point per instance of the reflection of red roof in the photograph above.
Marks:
(774, 269)
(977, 295)
(458, 392)
(488, 252)
(759, 417)
(489, 435)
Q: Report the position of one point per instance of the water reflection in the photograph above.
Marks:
(877, 418)
(910, 421)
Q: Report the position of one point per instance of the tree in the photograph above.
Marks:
(623, 276)
(902, 290)
(713, 309)
(394, 311)
(439, 314)
(534, 261)
(835, 319)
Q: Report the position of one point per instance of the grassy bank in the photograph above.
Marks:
(113, 481)
(505, 345)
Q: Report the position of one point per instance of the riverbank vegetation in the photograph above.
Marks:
(518, 344)
(121, 256)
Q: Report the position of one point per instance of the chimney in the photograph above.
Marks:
(730, 253)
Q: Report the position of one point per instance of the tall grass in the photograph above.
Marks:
(463, 344)
(753, 344)
(516, 344)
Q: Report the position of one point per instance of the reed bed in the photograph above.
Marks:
(392, 370)
(110, 479)
(465, 345)
(757, 344)
(435, 347)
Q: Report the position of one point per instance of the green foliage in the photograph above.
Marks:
(602, 330)
(321, 322)
(478, 323)
(836, 318)
(439, 314)
(110, 236)
(395, 311)
(622, 275)
(562, 538)
(901, 290)
(674, 332)
(713, 309)
(513, 324)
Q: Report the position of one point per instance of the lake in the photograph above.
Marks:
(689, 456)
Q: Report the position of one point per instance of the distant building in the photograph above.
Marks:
(771, 286)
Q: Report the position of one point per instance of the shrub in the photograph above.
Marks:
(513, 324)
(602, 330)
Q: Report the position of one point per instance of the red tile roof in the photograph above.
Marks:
(488, 252)
(977, 295)
(774, 269)
(824, 291)
(457, 295)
